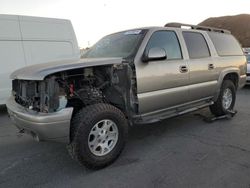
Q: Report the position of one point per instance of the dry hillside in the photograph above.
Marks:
(239, 25)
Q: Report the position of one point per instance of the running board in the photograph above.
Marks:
(195, 108)
(168, 114)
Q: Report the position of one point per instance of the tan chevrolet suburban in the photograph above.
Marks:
(132, 77)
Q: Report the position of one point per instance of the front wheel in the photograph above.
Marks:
(100, 132)
(226, 99)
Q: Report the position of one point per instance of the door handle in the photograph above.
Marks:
(210, 66)
(183, 68)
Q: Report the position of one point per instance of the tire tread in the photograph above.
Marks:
(83, 118)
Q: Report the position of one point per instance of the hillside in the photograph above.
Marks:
(239, 25)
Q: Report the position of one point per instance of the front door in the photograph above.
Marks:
(162, 84)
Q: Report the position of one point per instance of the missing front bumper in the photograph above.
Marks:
(43, 126)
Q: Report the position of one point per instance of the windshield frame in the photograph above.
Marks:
(133, 52)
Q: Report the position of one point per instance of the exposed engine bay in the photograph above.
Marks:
(75, 88)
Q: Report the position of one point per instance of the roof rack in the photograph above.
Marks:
(197, 27)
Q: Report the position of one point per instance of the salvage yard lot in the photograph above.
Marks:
(179, 152)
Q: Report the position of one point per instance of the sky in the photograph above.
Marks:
(93, 19)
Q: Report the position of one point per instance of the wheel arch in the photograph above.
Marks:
(119, 92)
(232, 74)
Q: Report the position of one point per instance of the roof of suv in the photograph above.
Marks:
(180, 26)
(196, 27)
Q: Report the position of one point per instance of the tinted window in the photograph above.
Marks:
(196, 45)
(168, 41)
(225, 44)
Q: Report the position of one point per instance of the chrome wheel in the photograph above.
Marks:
(103, 137)
(227, 98)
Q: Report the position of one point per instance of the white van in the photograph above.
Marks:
(26, 40)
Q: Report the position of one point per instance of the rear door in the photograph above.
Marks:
(203, 75)
(162, 84)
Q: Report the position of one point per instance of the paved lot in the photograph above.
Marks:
(180, 152)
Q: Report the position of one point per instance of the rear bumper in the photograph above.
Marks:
(43, 126)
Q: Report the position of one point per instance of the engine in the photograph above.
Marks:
(80, 87)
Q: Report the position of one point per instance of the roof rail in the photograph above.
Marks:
(197, 27)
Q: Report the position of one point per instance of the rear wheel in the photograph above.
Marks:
(100, 134)
(226, 99)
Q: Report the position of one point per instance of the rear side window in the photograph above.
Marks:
(225, 44)
(168, 41)
(196, 45)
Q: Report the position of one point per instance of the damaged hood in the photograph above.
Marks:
(40, 71)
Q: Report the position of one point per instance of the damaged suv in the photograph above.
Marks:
(132, 77)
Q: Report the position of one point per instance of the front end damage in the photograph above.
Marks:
(71, 90)
(40, 96)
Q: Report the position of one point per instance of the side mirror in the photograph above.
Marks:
(154, 54)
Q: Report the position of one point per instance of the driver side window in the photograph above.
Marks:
(168, 41)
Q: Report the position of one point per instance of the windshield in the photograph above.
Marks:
(123, 44)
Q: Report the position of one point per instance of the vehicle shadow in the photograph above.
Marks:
(49, 158)
(52, 158)
(246, 87)
(3, 110)
(20, 154)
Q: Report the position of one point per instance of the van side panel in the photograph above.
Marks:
(47, 40)
(11, 53)
(44, 51)
(9, 28)
(26, 40)
(33, 28)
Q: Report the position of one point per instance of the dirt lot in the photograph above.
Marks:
(180, 152)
